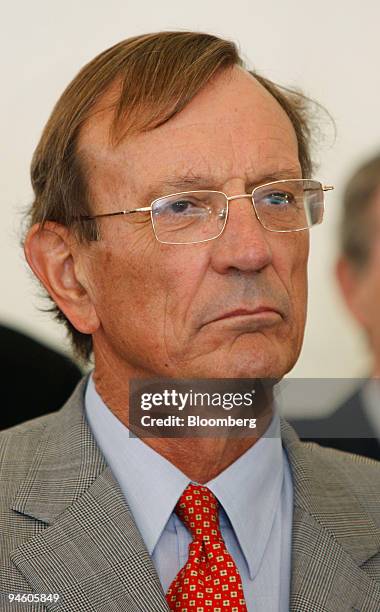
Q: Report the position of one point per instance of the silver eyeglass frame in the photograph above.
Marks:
(228, 199)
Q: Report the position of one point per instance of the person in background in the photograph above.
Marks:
(48, 377)
(354, 426)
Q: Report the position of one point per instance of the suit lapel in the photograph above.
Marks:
(91, 553)
(333, 536)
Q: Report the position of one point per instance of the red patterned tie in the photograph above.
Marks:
(210, 580)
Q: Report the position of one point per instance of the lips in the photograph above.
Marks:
(246, 312)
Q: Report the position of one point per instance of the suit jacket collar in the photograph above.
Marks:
(323, 493)
(92, 533)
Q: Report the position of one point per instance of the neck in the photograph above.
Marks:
(200, 458)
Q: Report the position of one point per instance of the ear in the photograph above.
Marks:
(351, 282)
(53, 254)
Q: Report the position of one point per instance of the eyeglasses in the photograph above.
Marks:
(199, 216)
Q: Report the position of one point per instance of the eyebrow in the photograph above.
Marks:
(180, 183)
(196, 182)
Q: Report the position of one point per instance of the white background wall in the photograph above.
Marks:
(330, 49)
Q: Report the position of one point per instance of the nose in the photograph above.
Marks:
(244, 244)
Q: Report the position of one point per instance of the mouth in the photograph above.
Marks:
(265, 314)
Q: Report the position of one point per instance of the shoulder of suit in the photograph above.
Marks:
(18, 444)
(326, 479)
(27, 428)
(356, 471)
(29, 432)
(343, 458)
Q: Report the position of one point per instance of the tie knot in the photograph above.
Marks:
(198, 510)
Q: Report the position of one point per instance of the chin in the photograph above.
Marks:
(251, 365)
(266, 359)
(256, 370)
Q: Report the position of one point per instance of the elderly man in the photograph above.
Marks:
(170, 227)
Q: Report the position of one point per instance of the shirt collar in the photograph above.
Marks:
(249, 490)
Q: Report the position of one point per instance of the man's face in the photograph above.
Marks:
(231, 307)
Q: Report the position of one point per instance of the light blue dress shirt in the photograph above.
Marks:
(256, 506)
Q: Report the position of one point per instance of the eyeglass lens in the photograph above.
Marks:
(201, 215)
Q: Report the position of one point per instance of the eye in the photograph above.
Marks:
(182, 207)
(278, 198)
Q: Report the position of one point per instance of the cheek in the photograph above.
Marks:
(290, 262)
(123, 279)
(300, 284)
(181, 267)
(150, 283)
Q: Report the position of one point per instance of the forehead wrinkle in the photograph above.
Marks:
(260, 162)
(195, 182)
(232, 156)
(112, 173)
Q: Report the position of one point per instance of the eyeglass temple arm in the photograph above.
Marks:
(115, 214)
(327, 187)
